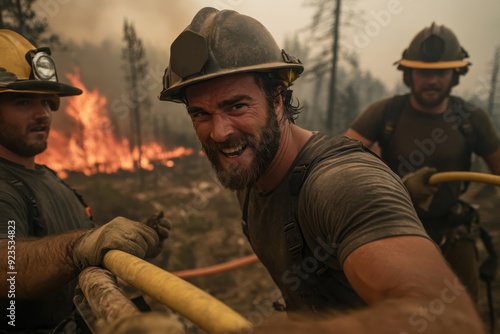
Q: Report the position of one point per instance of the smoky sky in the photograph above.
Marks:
(378, 33)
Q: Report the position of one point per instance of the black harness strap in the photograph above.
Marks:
(291, 229)
(36, 226)
(391, 116)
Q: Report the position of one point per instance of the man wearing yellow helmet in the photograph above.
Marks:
(46, 235)
(332, 224)
(429, 130)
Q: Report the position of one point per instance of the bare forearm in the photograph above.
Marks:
(40, 264)
(493, 162)
(390, 316)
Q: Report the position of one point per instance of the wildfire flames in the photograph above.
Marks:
(91, 147)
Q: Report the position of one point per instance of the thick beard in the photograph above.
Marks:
(18, 144)
(265, 147)
(443, 94)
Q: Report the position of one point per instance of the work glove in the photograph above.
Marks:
(162, 226)
(421, 191)
(146, 323)
(121, 233)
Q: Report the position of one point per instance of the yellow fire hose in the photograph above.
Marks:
(182, 297)
(464, 176)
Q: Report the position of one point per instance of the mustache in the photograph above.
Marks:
(39, 123)
(234, 141)
(432, 87)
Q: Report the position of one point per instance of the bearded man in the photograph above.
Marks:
(429, 130)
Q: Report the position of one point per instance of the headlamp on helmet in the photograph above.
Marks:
(24, 68)
(42, 66)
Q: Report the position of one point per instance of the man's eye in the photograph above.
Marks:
(238, 107)
(23, 102)
(199, 115)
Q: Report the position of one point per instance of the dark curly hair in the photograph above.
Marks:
(273, 85)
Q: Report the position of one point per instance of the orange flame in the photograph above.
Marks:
(91, 146)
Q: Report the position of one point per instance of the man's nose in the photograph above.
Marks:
(433, 77)
(222, 127)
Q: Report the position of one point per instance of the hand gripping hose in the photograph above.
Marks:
(483, 178)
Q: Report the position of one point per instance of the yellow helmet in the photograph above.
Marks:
(435, 47)
(27, 69)
(218, 43)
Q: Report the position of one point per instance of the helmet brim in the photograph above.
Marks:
(40, 87)
(174, 93)
(406, 63)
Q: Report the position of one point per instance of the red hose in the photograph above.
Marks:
(216, 268)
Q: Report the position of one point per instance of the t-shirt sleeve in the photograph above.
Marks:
(353, 202)
(12, 208)
(369, 123)
(485, 132)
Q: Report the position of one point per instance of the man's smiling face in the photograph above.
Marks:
(238, 130)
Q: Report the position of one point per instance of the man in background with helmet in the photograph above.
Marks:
(46, 235)
(428, 131)
(333, 225)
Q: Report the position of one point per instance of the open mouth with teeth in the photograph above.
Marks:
(233, 152)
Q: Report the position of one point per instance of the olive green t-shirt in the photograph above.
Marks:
(350, 198)
(435, 140)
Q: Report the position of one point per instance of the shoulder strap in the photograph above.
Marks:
(35, 226)
(460, 108)
(291, 229)
(293, 235)
(392, 111)
(461, 112)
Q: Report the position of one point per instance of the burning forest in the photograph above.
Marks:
(88, 144)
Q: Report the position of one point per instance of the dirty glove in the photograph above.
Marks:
(144, 322)
(421, 191)
(120, 233)
(162, 226)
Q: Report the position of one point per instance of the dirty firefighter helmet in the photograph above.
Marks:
(218, 43)
(27, 69)
(434, 47)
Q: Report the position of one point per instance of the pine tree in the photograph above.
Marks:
(135, 65)
(19, 16)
